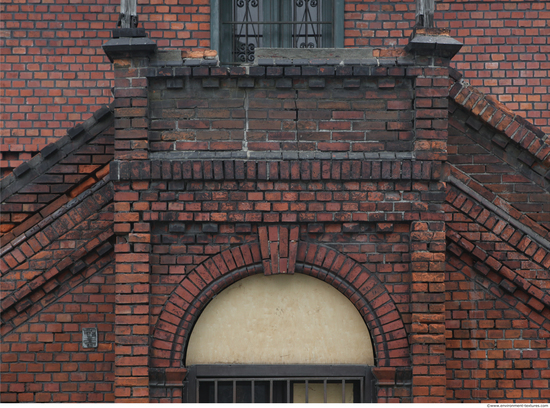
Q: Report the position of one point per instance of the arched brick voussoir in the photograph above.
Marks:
(352, 279)
(368, 294)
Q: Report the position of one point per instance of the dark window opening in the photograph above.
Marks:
(245, 25)
(280, 384)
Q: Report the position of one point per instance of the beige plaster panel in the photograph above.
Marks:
(316, 393)
(280, 319)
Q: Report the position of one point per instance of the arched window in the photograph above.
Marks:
(238, 27)
(280, 338)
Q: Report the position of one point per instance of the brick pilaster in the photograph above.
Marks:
(131, 109)
(132, 297)
(427, 335)
(132, 250)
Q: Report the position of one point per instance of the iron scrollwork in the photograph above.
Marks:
(302, 29)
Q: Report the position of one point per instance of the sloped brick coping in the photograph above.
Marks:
(355, 281)
(490, 266)
(491, 111)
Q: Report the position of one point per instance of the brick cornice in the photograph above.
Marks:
(175, 170)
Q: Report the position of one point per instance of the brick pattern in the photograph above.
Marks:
(132, 251)
(55, 283)
(508, 123)
(202, 208)
(132, 299)
(131, 110)
(44, 361)
(53, 187)
(504, 248)
(55, 74)
(357, 224)
(500, 170)
(219, 271)
(279, 247)
(362, 208)
(45, 261)
(497, 305)
(496, 348)
(517, 209)
(177, 171)
(505, 52)
(263, 111)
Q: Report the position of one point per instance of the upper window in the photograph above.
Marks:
(242, 26)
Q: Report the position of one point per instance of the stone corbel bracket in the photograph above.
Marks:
(129, 47)
(435, 42)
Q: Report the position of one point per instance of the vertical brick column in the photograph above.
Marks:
(427, 335)
(131, 109)
(132, 250)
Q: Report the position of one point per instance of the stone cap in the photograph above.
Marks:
(434, 42)
(126, 47)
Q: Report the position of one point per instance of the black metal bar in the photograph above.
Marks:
(276, 370)
(288, 391)
(275, 22)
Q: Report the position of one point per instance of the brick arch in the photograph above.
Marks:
(354, 280)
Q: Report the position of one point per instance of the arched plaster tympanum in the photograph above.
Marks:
(280, 319)
(355, 281)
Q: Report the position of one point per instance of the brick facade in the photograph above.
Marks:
(54, 74)
(391, 178)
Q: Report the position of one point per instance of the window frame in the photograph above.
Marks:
(287, 372)
(216, 31)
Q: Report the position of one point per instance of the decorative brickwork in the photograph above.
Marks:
(218, 272)
(498, 316)
(54, 74)
(389, 177)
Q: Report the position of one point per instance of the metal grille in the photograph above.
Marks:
(280, 390)
(276, 24)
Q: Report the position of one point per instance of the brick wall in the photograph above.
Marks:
(496, 349)
(328, 170)
(55, 75)
(54, 284)
(326, 149)
(43, 359)
(497, 314)
(284, 114)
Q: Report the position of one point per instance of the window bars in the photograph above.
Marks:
(276, 24)
(280, 384)
(280, 390)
